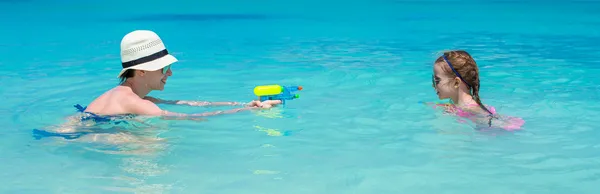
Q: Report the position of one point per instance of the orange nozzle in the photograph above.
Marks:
(299, 87)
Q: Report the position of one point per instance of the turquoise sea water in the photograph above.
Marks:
(357, 127)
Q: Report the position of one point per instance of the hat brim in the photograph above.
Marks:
(153, 65)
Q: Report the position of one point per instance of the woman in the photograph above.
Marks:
(146, 67)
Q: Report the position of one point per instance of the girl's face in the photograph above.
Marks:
(444, 85)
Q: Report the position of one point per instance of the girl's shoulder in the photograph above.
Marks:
(476, 109)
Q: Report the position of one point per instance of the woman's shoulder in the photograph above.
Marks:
(113, 102)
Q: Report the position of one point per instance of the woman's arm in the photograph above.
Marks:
(192, 103)
(200, 116)
(146, 107)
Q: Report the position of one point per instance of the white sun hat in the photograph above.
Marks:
(144, 50)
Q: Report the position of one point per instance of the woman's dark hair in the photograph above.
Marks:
(127, 74)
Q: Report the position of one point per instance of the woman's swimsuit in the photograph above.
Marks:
(86, 116)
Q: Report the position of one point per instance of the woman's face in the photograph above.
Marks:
(443, 84)
(156, 80)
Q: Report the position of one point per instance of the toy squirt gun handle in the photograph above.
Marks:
(276, 92)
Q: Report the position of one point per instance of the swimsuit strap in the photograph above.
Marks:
(80, 108)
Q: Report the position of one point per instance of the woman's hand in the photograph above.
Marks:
(270, 103)
(264, 104)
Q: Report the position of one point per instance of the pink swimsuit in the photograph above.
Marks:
(508, 123)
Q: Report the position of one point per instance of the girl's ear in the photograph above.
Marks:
(456, 82)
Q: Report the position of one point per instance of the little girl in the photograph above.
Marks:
(456, 76)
